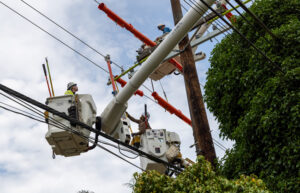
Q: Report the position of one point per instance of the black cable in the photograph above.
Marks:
(256, 19)
(20, 110)
(184, 7)
(67, 129)
(65, 44)
(29, 107)
(126, 155)
(16, 112)
(35, 110)
(202, 9)
(237, 31)
(163, 90)
(116, 146)
(67, 31)
(120, 157)
(96, 2)
(219, 145)
(83, 125)
(75, 133)
(255, 27)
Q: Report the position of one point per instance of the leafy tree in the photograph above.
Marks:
(257, 105)
(198, 178)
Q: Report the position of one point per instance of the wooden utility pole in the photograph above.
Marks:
(203, 139)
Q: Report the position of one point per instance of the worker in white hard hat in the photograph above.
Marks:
(143, 123)
(72, 88)
(163, 28)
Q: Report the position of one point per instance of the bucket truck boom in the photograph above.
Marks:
(116, 108)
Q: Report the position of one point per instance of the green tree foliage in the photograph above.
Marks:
(256, 105)
(198, 178)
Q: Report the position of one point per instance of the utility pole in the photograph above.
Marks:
(201, 131)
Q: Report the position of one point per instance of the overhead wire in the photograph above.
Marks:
(70, 33)
(67, 31)
(245, 38)
(25, 112)
(256, 19)
(243, 17)
(83, 125)
(204, 14)
(218, 144)
(73, 131)
(64, 42)
(59, 40)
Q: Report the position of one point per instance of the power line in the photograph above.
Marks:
(237, 31)
(77, 133)
(67, 31)
(19, 110)
(255, 27)
(64, 127)
(65, 44)
(256, 19)
(53, 36)
(70, 33)
(96, 2)
(83, 125)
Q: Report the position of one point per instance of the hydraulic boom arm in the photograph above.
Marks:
(115, 109)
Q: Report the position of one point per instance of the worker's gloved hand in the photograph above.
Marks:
(133, 134)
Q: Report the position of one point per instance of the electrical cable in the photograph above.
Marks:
(67, 44)
(59, 40)
(258, 51)
(76, 37)
(120, 157)
(20, 113)
(83, 125)
(255, 27)
(183, 7)
(31, 108)
(256, 19)
(96, 2)
(116, 147)
(163, 90)
(67, 31)
(126, 155)
(220, 145)
(77, 134)
(20, 110)
(238, 32)
(204, 14)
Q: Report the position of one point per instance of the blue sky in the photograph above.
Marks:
(26, 163)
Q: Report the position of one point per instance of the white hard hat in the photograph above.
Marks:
(160, 25)
(70, 84)
(148, 115)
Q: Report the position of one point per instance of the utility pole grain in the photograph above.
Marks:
(201, 131)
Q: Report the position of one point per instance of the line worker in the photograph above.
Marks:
(72, 88)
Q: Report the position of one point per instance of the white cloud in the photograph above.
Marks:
(26, 163)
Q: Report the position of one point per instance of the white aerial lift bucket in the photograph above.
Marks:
(81, 107)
